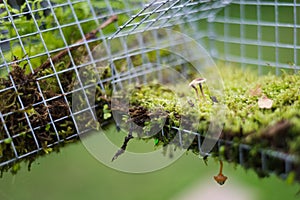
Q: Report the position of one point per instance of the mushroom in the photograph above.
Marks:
(194, 83)
(220, 178)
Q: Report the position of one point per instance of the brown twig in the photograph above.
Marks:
(64, 52)
(123, 147)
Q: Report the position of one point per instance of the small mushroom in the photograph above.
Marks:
(194, 83)
(220, 178)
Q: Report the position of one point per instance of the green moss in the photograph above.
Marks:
(33, 44)
(277, 128)
(244, 119)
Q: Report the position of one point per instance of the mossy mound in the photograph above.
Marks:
(155, 106)
(246, 121)
(276, 128)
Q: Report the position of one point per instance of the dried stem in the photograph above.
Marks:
(123, 147)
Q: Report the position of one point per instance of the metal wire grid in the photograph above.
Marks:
(7, 43)
(167, 13)
(267, 34)
(259, 33)
(285, 163)
(233, 14)
(158, 11)
(96, 16)
(4, 66)
(154, 15)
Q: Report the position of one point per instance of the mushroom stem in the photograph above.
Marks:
(220, 178)
(201, 89)
(197, 93)
(221, 166)
(194, 83)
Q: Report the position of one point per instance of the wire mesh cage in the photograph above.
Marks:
(45, 44)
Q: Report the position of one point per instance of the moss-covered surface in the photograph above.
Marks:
(155, 106)
(245, 122)
(39, 127)
(31, 96)
(276, 128)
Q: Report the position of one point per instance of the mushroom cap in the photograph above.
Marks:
(220, 178)
(197, 81)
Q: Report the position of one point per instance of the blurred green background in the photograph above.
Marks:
(75, 174)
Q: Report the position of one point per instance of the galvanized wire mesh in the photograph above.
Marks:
(253, 33)
(258, 33)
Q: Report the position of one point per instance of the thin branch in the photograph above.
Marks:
(123, 147)
(64, 52)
